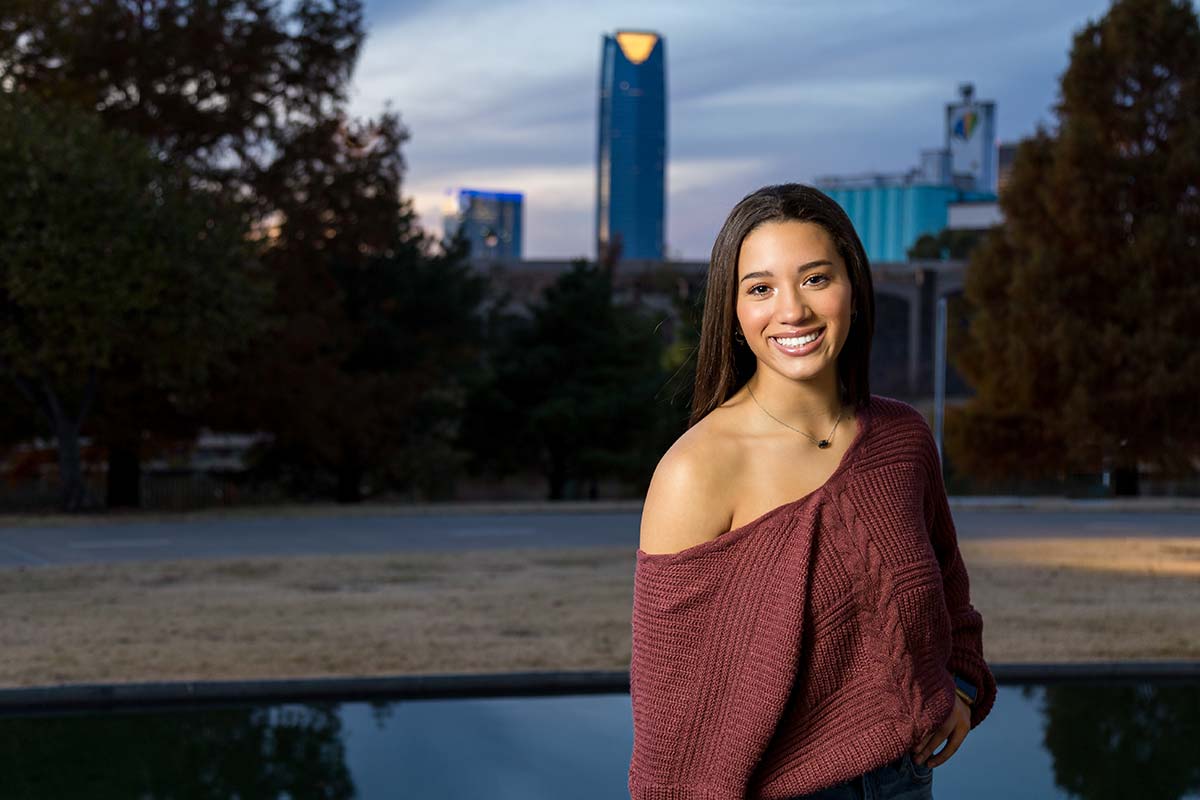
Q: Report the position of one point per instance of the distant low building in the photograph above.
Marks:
(977, 215)
(490, 221)
(891, 211)
(973, 216)
(906, 294)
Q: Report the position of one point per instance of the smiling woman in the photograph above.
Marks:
(787, 257)
(794, 319)
(802, 624)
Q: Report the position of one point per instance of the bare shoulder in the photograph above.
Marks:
(688, 501)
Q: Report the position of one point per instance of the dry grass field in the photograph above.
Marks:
(513, 610)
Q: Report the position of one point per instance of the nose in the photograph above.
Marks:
(792, 306)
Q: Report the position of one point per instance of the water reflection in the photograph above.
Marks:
(1093, 741)
(272, 752)
(1124, 741)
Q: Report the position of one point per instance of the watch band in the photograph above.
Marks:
(965, 689)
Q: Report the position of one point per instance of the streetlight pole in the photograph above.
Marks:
(939, 373)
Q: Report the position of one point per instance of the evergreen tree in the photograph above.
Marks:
(571, 390)
(1081, 346)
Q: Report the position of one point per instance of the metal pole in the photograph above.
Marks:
(939, 373)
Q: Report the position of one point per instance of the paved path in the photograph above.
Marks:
(343, 531)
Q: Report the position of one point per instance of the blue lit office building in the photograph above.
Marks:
(632, 153)
(490, 221)
(891, 211)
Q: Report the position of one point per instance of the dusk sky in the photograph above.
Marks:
(501, 95)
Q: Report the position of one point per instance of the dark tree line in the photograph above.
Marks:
(221, 91)
(268, 274)
(574, 390)
(122, 289)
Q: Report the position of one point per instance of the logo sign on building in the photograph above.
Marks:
(971, 142)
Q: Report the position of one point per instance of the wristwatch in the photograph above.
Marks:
(965, 689)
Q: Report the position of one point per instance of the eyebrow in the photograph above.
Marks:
(766, 273)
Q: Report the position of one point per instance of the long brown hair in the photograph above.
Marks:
(722, 366)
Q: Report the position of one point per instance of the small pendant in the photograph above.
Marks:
(823, 444)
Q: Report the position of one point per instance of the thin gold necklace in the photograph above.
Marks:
(823, 443)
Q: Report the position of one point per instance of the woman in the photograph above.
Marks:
(802, 626)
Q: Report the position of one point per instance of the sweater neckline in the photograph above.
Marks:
(864, 423)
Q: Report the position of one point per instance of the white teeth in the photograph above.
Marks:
(797, 341)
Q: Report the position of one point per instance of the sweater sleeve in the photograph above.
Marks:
(715, 645)
(966, 623)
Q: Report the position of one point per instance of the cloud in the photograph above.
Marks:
(503, 94)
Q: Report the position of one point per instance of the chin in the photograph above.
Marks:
(800, 372)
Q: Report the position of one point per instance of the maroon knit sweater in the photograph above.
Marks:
(814, 643)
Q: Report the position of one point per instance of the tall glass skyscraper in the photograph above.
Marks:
(631, 160)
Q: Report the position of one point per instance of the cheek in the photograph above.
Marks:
(836, 304)
(750, 315)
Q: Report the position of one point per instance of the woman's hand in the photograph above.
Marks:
(956, 727)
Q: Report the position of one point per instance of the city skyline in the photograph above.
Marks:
(518, 112)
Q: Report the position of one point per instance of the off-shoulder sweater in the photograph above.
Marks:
(814, 643)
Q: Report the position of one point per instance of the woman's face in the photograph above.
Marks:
(790, 282)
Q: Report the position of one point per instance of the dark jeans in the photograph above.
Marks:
(900, 779)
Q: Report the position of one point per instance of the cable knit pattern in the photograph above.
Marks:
(814, 643)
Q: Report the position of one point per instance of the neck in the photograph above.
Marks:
(801, 403)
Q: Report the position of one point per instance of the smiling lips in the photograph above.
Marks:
(799, 345)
